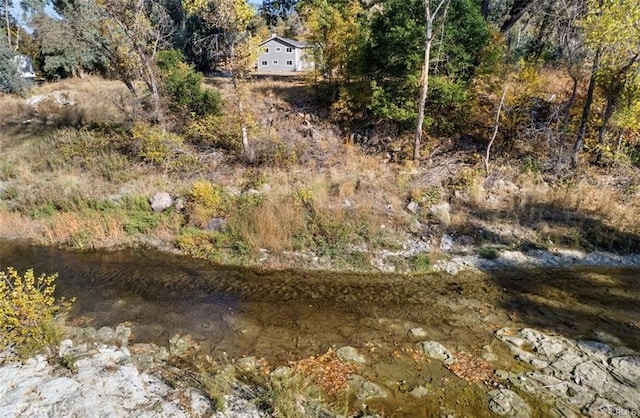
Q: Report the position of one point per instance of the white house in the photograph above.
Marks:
(278, 54)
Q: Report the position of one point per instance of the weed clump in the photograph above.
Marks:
(28, 309)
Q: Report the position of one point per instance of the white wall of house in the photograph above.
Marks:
(277, 55)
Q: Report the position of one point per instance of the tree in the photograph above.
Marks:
(272, 10)
(60, 54)
(233, 18)
(10, 80)
(27, 8)
(395, 61)
(127, 34)
(612, 31)
(429, 16)
(339, 34)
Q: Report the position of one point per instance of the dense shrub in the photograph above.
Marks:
(154, 144)
(10, 80)
(217, 131)
(27, 311)
(182, 86)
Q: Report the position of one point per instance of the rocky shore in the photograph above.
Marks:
(97, 373)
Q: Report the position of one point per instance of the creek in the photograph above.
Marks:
(287, 315)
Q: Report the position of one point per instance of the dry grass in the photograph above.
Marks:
(85, 230)
(274, 224)
(17, 225)
(98, 101)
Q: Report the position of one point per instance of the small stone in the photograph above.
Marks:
(415, 227)
(441, 212)
(247, 364)
(350, 355)
(446, 243)
(179, 204)
(417, 333)
(419, 392)
(64, 347)
(105, 335)
(281, 373)
(413, 207)
(501, 374)
(437, 351)
(366, 390)
(160, 201)
(216, 224)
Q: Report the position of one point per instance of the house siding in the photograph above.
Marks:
(280, 60)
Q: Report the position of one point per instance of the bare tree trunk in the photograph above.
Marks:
(495, 129)
(248, 155)
(577, 147)
(7, 22)
(424, 82)
(567, 116)
(620, 139)
(424, 79)
(516, 12)
(485, 9)
(602, 133)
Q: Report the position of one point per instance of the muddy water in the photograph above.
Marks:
(288, 315)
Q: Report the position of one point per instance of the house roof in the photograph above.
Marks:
(290, 42)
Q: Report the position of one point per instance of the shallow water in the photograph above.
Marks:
(288, 315)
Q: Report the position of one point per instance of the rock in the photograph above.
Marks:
(366, 390)
(591, 375)
(105, 335)
(605, 336)
(626, 369)
(216, 224)
(564, 366)
(350, 355)
(561, 411)
(446, 243)
(419, 392)
(160, 201)
(602, 408)
(179, 204)
(281, 373)
(441, 212)
(413, 207)
(65, 347)
(56, 389)
(247, 364)
(507, 403)
(595, 348)
(107, 382)
(437, 351)
(501, 374)
(415, 226)
(417, 333)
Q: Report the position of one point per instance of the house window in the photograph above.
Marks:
(289, 49)
(264, 63)
(289, 63)
(265, 50)
(278, 49)
(274, 62)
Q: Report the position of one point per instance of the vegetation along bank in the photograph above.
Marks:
(517, 143)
